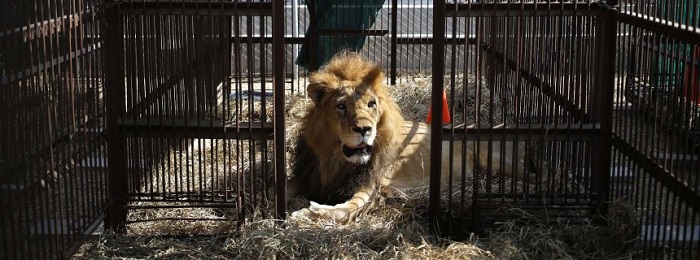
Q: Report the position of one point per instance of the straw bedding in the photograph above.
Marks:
(398, 228)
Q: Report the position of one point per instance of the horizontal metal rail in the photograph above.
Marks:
(196, 8)
(349, 32)
(647, 44)
(184, 203)
(521, 9)
(206, 129)
(176, 219)
(536, 199)
(48, 64)
(677, 186)
(659, 26)
(521, 132)
(47, 27)
(401, 40)
(430, 40)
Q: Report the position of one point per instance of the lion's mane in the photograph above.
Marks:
(316, 143)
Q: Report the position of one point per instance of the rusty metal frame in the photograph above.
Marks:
(438, 68)
(596, 124)
(198, 129)
(689, 35)
(114, 88)
(49, 163)
(606, 33)
(472, 9)
(279, 116)
(233, 8)
(120, 127)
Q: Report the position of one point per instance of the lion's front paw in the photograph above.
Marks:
(340, 213)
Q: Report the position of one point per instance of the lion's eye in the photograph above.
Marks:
(372, 104)
(340, 106)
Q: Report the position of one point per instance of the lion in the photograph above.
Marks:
(354, 140)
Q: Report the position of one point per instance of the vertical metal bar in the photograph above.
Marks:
(250, 103)
(111, 33)
(394, 40)
(295, 34)
(311, 36)
(478, 60)
(605, 77)
(469, 24)
(438, 66)
(278, 50)
(453, 71)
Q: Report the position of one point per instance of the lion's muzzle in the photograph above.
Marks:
(359, 154)
(362, 149)
(362, 130)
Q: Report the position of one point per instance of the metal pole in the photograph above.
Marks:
(604, 90)
(295, 35)
(115, 103)
(437, 89)
(278, 60)
(394, 40)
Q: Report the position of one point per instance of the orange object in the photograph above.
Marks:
(446, 118)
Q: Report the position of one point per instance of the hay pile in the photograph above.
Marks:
(412, 93)
(398, 228)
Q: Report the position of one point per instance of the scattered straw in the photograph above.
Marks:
(398, 228)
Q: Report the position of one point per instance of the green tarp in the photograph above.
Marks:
(336, 16)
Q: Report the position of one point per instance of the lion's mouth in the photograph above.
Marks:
(361, 149)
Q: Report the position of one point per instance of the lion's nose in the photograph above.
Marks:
(362, 130)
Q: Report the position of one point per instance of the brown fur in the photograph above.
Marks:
(399, 155)
(320, 172)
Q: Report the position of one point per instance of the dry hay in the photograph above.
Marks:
(413, 94)
(535, 236)
(398, 228)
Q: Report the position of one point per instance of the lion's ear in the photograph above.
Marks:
(374, 77)
(316, 91)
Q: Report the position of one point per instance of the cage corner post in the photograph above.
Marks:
(114, 82)
(438, 70)
(603, 91)
(278, 77)
(394, 41)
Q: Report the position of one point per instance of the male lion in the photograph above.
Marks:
(354, 140)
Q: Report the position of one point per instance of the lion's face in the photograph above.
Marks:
(354, 120)
(351, 111)
(348, 95)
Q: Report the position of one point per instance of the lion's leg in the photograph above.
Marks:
(292, 189)
(343, 212)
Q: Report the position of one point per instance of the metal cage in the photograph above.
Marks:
(113, 110)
